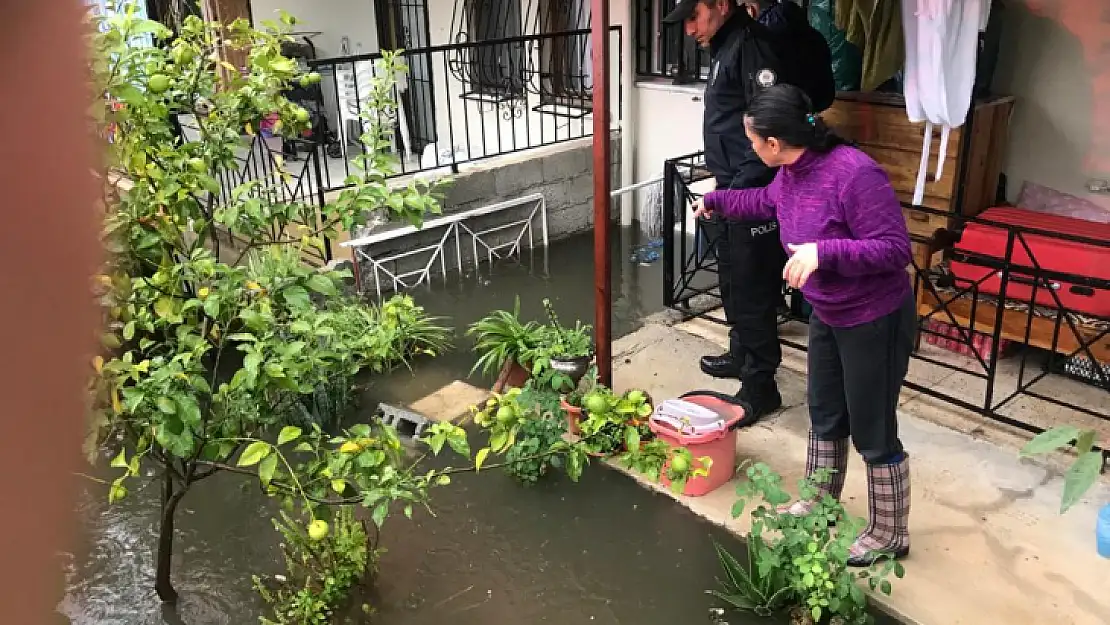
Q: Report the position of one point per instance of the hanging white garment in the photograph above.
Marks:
(942, 38)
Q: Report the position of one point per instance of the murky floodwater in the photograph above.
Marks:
(601, 551)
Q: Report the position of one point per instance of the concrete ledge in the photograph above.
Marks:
(988, 543)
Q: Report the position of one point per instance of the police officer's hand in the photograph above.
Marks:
(701, 210)
(802, 264)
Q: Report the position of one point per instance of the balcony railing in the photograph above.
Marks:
(466, 101)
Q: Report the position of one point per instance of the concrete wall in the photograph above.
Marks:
(1055, 58)
(334, 19)
(563, 174)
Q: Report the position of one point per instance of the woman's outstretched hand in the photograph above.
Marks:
(701, 210)
(802, 264)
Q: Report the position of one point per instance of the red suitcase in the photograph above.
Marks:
(1051, 254)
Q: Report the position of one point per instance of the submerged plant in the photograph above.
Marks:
(323, 563)
(798, 560)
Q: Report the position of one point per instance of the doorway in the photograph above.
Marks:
(403, 24)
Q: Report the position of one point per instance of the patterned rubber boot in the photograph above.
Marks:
(887, 534)
(822, 455)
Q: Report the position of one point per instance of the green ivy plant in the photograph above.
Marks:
(798, 561)
(209, 350)
(1083, 472)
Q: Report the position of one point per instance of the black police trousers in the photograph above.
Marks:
(750, 260)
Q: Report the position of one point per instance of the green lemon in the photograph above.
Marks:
(183, 55)
(505, 414)
(595, 404)
(680, 465)
(318, 530)
(301, 115)
(158, 83)
(635, 396)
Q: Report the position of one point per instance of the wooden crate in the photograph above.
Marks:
(879, 126)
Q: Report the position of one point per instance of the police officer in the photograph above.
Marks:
(752, 45)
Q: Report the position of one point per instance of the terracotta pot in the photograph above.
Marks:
(574, 416)
(512, 375)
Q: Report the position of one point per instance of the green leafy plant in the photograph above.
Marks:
(323, 563)
(527, 459)
(501, 337)
(210, 352)
(585, 386)
(798, 560)
(566, 343)
(656, 459)
(1084, 471)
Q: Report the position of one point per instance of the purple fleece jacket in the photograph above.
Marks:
(842, 200)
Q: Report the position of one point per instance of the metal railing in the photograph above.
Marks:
(464, 102)
(664, 51)
(1011, 297)
(296, 180)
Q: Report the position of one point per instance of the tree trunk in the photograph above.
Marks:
(170, 498)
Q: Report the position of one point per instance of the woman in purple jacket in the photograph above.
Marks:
(841, 222)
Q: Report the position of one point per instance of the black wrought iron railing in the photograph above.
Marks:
(664, 51)
(294, 180)
(1011, 298)
(466, 101)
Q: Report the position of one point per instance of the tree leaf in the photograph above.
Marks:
(267, 468)
(120, 461)
(379, 513)
(1085, 442)
(288, 433)
(163, 307)
(166, 405)
(1051, 440)
(297, 297)
(323, 285)
(480, 459)
(457, 441)
(1079, 478)
(212, 307)
(254, 453)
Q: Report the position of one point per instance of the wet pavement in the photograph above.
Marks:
(603, 551)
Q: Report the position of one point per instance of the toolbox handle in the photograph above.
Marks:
(1055, 286)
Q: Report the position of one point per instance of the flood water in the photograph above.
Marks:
(603, 551)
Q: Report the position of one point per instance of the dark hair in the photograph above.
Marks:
(785, 112)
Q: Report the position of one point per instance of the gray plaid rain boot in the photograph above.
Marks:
(822, 455)
(887, 534)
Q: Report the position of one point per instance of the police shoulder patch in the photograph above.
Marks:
(765, 78)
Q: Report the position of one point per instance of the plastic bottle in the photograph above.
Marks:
(1102, 532)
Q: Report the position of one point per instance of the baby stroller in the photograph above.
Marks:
(311, 99)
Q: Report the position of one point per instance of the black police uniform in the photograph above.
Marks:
(747, 56)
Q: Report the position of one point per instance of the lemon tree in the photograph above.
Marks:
(208, 347)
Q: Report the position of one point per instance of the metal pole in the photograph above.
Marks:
(603, 303)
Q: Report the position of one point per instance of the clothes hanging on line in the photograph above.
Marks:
(875, 27)
(941, 39)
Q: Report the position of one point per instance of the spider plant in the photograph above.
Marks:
(501, 336)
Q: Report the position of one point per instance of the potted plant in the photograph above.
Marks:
(506, 345)
(609, 417)
(572, 403)
(568, 350)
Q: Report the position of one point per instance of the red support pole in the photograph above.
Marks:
(603, 303)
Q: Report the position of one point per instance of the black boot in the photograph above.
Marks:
(762, 395)
(723, 366)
